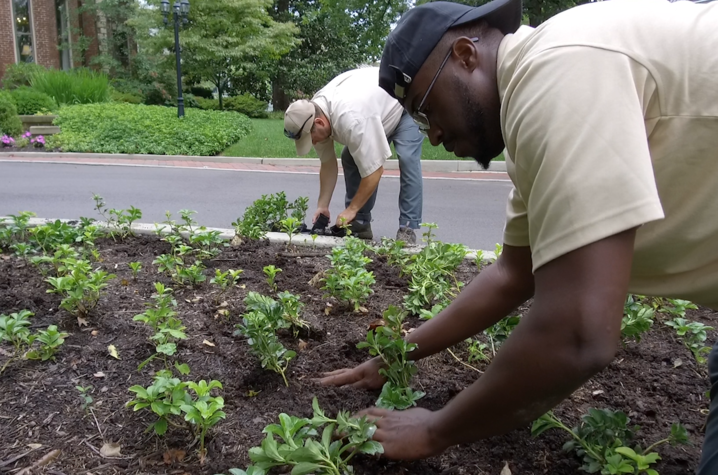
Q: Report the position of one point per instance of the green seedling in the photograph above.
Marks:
(291, 310)
(50, 340)
(348, 280)
(60, 262)
(85, 396)
(477, 351)
(677, 307)
(271, 273)
(387, 343)
(225, 280)
(136, 268)
(498, 250)
(22, 249)
(314, 240)
(479, 259)
(601, 439)
(207, 244)
(500, 331)
(302, 448)
(15, 329)
(15, 229)
(161, 317)
(119, 221)
(80, 287)
(343, 224)
(205, 411)
(429, 314)
(430, 228)
(394, 252)
(693, 335)
(290, 226)
(637, 318)
(260, 334)
(266, 213)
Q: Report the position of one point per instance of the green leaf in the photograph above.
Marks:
(182, 368)
(371, 447)
(303, 468)
(160, 426)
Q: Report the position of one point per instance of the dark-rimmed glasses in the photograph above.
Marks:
(420, 117)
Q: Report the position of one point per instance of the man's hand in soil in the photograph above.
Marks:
(321, 210)
(346, 217)
(405, 435)
(365, 376)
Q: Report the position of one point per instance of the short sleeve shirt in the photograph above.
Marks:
(610, 118)
(362, 115)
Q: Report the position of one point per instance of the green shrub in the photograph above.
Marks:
(20, 74)
(128, 97)
(199, 91)
(128, 128)
(246, 104)
(79, 86)
(9, 121)
(29, 101)
(191, 101)
(207, 104)
(156, 95)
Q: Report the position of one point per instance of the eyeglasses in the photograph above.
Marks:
(420, 117)
(297, 136)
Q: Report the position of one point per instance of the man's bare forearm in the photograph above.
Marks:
(366, 188)
(492, 295)
(328, 172)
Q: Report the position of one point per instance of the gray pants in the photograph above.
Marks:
(709, 459)
(407, 143)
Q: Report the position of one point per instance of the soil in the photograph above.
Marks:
(40, 405)
(27, 148)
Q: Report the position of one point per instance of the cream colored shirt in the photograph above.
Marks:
(362, 115)
(610, 117)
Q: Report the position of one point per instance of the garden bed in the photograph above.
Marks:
(39, 402)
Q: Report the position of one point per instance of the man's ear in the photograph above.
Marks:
(465, 51)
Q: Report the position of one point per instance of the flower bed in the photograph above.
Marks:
(77, 403)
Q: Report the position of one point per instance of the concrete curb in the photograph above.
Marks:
(446, 166)
(305, 240)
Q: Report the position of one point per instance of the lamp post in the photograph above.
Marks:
(179, 9)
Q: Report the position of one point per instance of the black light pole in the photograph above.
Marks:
(180, 9)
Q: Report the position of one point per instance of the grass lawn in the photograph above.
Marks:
(268, 141)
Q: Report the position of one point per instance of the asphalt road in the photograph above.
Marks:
(467, 211)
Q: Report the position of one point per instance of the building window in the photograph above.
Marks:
(23, 31)
(63, 34)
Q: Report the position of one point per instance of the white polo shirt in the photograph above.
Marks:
(610, 117)
(362, 115)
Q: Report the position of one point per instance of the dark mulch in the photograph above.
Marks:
(39, 402)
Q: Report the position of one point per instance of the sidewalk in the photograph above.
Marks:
(450, 169)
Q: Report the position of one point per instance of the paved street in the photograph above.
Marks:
(467, 211)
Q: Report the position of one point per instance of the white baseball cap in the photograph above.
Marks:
(298, 122)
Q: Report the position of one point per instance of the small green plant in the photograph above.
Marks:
(677, 307)
(291, 311)
(290, 226)
(601, 441)
(314, 240)
(119, 221)
(15, 329)
(498, 249)
(266, 214)
(271, 272)
(225, 280)
(500, 331)
(15, 229)
(260, 333)
(302, 448)
(347, 279)
(205, 411)
(693, 335)
(429, 314)
(85, 396)
(479, 259)
(637, 318)
(136, 268)
(430, 228)
(387, 343)
(394, 252)
(80, 287)
(161, 317)
(477, 351)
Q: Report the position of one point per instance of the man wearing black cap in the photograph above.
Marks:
(609, 115)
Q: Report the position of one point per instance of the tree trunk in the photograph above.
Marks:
(280, 101)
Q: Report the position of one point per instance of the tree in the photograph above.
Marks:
(222, 38)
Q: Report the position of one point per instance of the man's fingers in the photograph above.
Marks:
(373, 413)
(336, 371)
(338, 378)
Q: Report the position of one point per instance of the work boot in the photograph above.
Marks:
(406, 234)
(361, 230)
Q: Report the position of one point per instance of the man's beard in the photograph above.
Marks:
(473, 114)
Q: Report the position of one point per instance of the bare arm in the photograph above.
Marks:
(366, 187)
(328, 172)
(571, 333)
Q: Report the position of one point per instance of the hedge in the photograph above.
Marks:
(29, 101)
(130, 128)
(9, 121)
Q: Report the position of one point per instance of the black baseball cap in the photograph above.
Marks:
(420, 29)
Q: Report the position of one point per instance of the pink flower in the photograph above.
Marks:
(27, 135)
(7, 141)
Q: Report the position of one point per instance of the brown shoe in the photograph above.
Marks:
(406, 234)
(362, 231)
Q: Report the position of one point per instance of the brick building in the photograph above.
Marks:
(52, 33)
